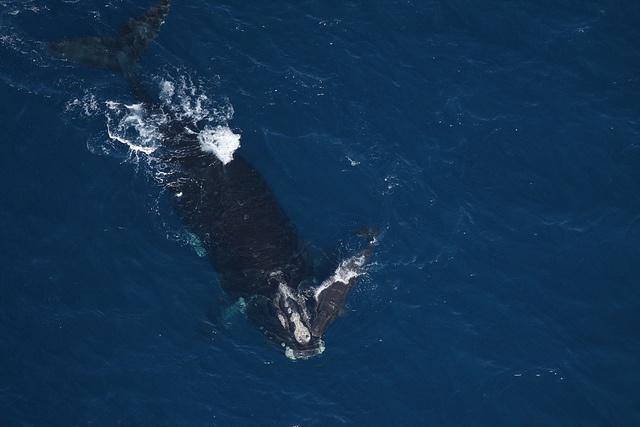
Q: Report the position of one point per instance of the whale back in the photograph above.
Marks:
(239, 222)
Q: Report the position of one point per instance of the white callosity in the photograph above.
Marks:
(348, 269)
(294, 355)
(301, 332)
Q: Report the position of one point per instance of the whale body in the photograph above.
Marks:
(249, 240)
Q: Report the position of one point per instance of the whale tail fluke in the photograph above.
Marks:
(121, 52)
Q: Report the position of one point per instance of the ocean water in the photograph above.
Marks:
(495, 143)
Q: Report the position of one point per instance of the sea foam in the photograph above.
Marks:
(221, 141)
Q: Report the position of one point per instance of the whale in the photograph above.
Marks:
(250, 241)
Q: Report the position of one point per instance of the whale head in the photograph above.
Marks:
(296, 318)
(294, 325)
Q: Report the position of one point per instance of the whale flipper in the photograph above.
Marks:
(118, 53)
(331, 296)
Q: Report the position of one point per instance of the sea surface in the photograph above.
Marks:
(496, 144)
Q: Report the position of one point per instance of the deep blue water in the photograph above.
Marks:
(496, 143)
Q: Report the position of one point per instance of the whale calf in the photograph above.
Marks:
(248, 238)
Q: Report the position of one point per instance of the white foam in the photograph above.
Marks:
(136, 108)
(88, 105)
(348, 269)
(167, 90)
(187, 99)
(352, 162)
(132, 120)
(221, 141)
(137, 129)
(133, 147)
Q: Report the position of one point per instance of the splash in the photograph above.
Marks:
(348, 269)
(133, 127)
(221, 141)
(137, 130)
(134, 133)
(188, 103)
